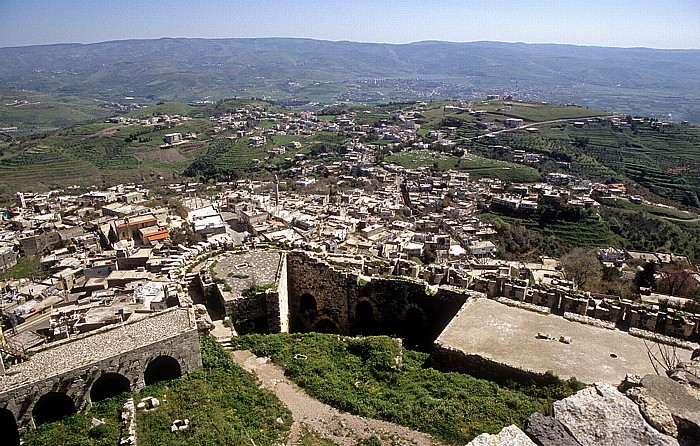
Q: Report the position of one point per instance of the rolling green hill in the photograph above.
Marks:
(637, 80)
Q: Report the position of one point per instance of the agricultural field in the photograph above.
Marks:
(664, 160)
(618, 223)
(535, 112)
(476, 166)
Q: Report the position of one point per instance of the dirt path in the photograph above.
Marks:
(342, 428)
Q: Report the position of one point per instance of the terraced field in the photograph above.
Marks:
(477, 166)
(664, 160)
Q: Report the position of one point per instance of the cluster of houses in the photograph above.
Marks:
(108, 254)
(98, 257)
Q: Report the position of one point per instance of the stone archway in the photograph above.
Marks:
(326, 326)
(307, 303)
(52, 406)
(364, 318)
(162, 368)
(8, 427)
(109, 385)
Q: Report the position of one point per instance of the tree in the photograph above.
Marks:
(646, 278)
(581, 266)
(676, 281)
(112, 236)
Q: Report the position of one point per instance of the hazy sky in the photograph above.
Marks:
(656, 24)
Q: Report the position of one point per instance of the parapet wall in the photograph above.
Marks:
(622, 313)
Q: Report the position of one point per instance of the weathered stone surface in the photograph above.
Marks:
(630, 381)
(509, 436)
(684, 408)
(602, 415)
(547, 431)
(688, 374)
(654, 411)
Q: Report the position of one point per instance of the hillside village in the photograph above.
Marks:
(96, 256)
(116, 241)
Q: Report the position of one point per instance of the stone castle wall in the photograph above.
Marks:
(325, 298)
(77, 382)
(620, 312)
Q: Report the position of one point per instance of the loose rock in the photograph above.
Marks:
(509, 436)
(602, 415)
(547, 431)
(654, 411)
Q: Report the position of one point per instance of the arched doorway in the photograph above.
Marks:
(364, 318)
(52, 407)
(162, 368)
(326, 326)
(307, 303)
(8, 427)
(413, 329)
(109, 385)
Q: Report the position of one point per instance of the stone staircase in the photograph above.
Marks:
(225, 343)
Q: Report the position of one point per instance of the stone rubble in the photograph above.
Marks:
(180, 425)
(602, 415)
(511, 436)
(547, 431)
(128, 429)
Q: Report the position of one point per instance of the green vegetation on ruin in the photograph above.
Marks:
(362, 376)
(222, 402)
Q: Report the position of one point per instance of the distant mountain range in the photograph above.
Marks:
(650, 82)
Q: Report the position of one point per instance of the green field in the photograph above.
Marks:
(46, 112)
(665, 161)
(534, 112)
(477, 166)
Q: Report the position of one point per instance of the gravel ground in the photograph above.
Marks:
(341, 428)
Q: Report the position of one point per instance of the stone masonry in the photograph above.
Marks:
(72, 366)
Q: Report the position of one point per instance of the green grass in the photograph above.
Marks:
(535, 112)
(46, 112)
(477, 166)
(74, 430)
(26, 266)
(361, 376)
(222, 402)
(665, 161)
(651, 209)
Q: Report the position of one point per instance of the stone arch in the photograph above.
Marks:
(364, 322)
(364, 312)
(307, 303)
(413, 318)
(52, 406)
(108, 385)
(162, 368)
(326, 326)
(8, 427)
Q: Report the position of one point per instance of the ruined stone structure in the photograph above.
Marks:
(70, 375)
(328, 299)
(621, 313)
